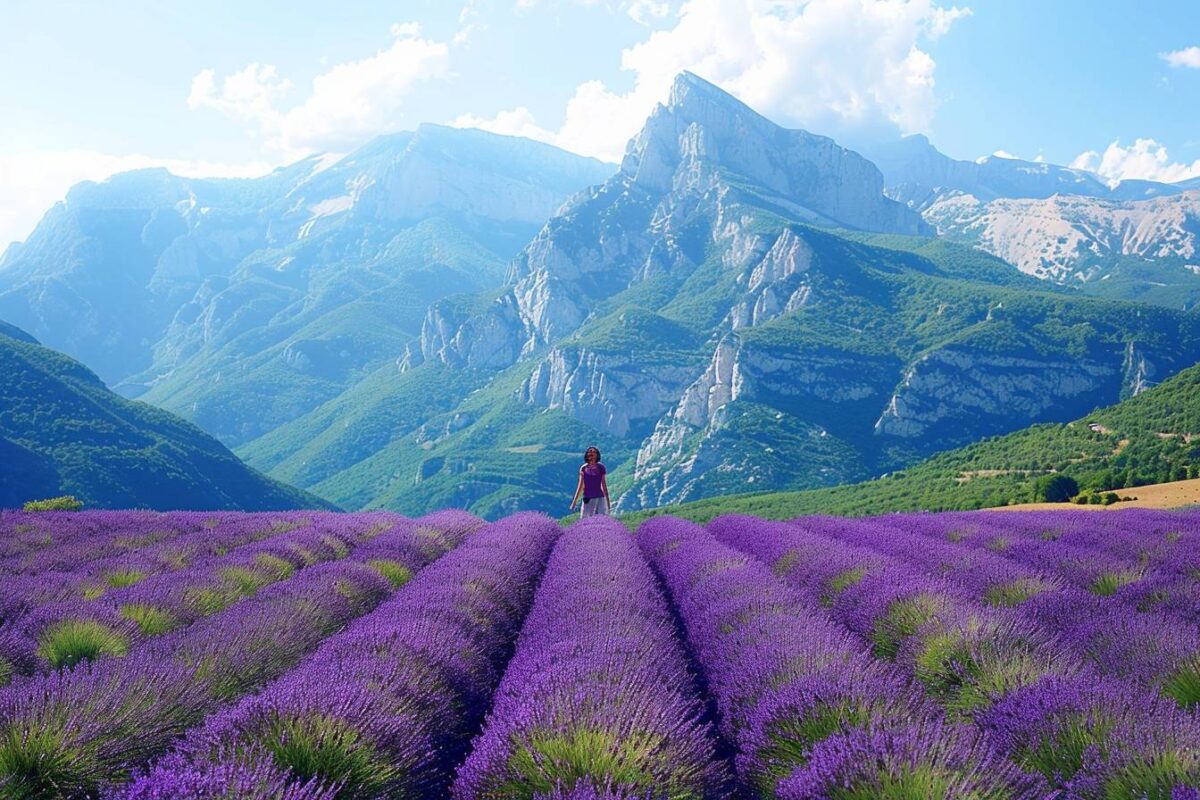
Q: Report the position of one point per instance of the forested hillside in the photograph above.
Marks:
(1150, 438)
(63, 432)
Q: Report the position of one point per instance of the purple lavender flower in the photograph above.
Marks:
(229, 781)
(1145, 647)
(598, 700)
(386, 708)
(776, 665)
(923, 760)
(1096, 737)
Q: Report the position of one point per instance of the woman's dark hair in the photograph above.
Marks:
(590, 449)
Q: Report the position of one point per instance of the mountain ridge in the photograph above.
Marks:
(63, 432)
(243, 303)
(1133, 239)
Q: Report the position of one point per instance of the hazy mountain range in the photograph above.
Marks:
(737, 306)
(244, 303)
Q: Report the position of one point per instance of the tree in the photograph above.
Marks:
(1054, 489)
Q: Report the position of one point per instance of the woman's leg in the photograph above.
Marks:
(595, 507)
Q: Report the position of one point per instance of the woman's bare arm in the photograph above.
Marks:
(578, 490)
(604, 488)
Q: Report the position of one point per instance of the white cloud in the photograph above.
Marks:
(1188, 57)
(827, 65)
(648, 12)
(1145, 159)
(348, 102)
(250, 94)
(30, 183)
(405, 30)
(468, 24)
(517, 122)
(463, 35)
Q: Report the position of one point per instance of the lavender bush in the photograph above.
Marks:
(788, 682)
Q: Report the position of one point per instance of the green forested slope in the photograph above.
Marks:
(63, 432)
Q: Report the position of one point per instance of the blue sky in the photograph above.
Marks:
(228, 88)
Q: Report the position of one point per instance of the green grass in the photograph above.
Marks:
(902, 620)
(329, 749)
(151, 620)
(396, 573)
(595, 757)
(1184, 684)
(69, 642)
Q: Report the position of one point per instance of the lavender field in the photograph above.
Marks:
(308, 655)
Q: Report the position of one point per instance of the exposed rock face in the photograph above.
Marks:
(702, 128)
(698, 409)
(614, 393)
(486, 340)
(952, 385)
(1052, 222)
(692, 438)
(778, 284)
(1068, 237)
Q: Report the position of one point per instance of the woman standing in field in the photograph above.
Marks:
(592, 485)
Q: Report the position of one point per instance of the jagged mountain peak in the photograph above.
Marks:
(691, 92)
(703, 132)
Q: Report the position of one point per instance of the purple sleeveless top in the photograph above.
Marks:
(592, 475)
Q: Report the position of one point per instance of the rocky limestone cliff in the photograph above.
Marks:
(688, 441)
(950, 386)
(1068, 237)
(613, 392)
(701, 127)
(778, 283)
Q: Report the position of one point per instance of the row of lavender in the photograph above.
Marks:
(842, 660)
(1056, 699)
(55, 618)
(71, 732)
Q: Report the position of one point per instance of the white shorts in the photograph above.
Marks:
(597, 506)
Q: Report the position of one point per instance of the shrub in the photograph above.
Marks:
(65, 503)
(1054, 489)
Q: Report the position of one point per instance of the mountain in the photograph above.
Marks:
(242, 304)
(1136, 249)
(63, 432)
(740, 306)
(1151, 438)
(1133, 240)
